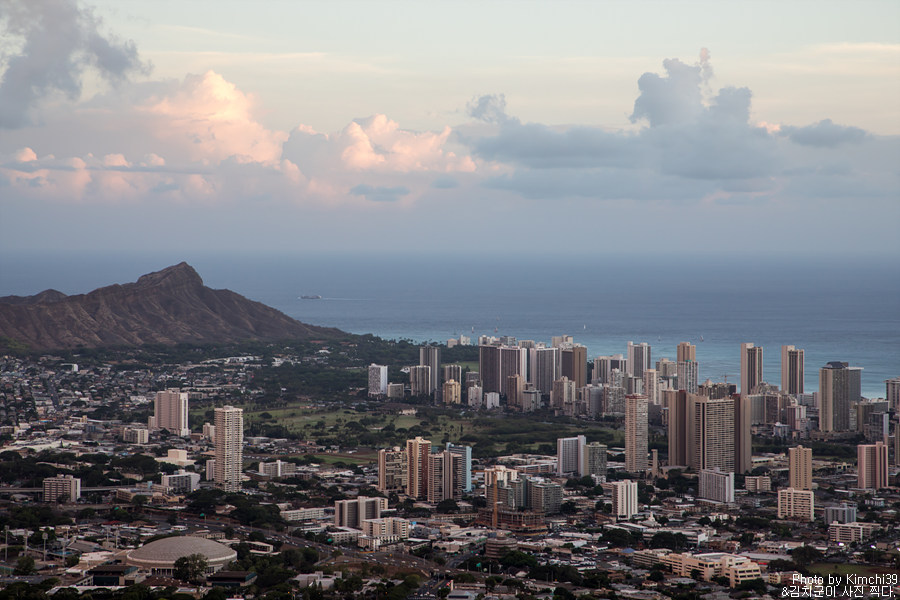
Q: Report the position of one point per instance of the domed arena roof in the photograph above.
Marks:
(162, 554)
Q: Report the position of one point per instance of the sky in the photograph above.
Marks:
(450, 128)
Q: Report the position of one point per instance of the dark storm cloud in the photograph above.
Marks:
(59, 40)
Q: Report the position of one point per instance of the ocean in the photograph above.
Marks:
(846, 310)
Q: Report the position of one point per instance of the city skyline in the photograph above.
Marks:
(320, 128)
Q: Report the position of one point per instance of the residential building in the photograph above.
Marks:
(378, 380)
(392, 470)
(636, 434)
(624, 498)
(430, 356)
(452, 392)
(570, 456)
(229, 448)
(417, 451)
(796, 504)
(351, 513)
(872, 466)
(170, 409)
(800, 468)
(716, 485)
(65, 488)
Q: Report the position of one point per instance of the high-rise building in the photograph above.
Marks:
(716, 485)
(66, 488)
(573, 364)
(791, 370)
(496, 363)
(563, 395)
(452, 392)
(544, 368)
(686, 352)
(378, 380)
(229, 448)
(594, 460)
(638, 358)
(420, 380)
(796, 504)
(417, 451)
(604, 365)
(679, 427)
(688, 373)
(713, 433)
(839, 390)
(515, 386)
(465, 453)
(751, 367)
(743, 443)
(651, 386)
(445, 476)
(171, 411)
(454, 372)
(570, 455)
(872, 466)
(351, 513)
(624, 499)
(430, 356)
(892, 394)
(800, 468)
(392, 470)
(636, 436)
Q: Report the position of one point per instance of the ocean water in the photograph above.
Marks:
(847, 310)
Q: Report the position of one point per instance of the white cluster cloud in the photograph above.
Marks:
(695, 144)
(199, 141)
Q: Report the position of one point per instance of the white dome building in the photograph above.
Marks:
(159, 557)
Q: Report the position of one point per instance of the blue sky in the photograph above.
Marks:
(508, 127)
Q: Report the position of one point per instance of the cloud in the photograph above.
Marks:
(58, 42)
(823, 134)
(378, 144)
(488, 108)
(380, 193)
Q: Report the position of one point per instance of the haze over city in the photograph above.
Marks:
(301, 127)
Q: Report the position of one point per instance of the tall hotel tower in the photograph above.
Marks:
(229, 448)
(839, 389)
(751, 367)
(791, 370)
(687, 368)
(638, 358)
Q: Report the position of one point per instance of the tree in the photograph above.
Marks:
(24, 566)
(805, 555)
(190, 568)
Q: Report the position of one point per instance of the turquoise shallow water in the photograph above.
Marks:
(834, 310)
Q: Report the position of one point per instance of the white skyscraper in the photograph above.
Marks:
(229, 448)
(171, 411)
(570, 455)
(624, 499)
(378, 380)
